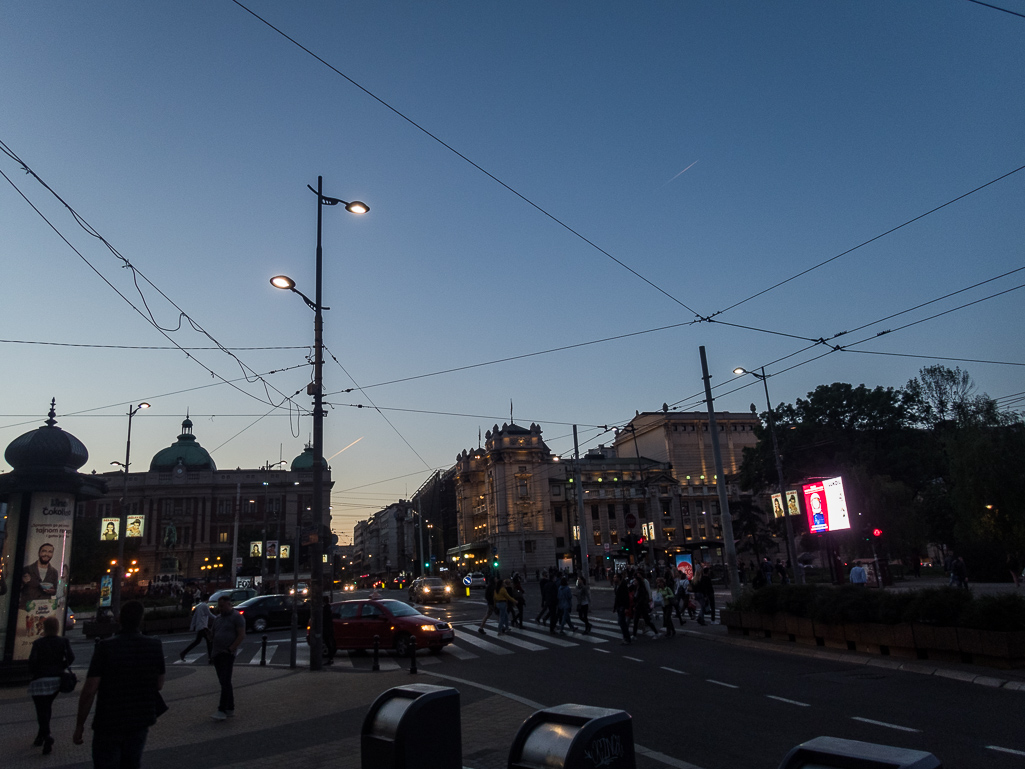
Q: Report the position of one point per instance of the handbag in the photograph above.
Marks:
(68, 682)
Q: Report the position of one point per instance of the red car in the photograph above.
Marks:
(394, 622)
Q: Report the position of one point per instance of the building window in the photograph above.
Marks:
(557, 490)
(560, 542)
(663, 491)
(594, 512)
(222, 537)
(702, 529)
(688, 533)
(669, 534)
(597, 536)
(524, 490)
(642, 510)
(528, 546)
(612, 512)
(557, 513)
(666, 510)
(613, 537)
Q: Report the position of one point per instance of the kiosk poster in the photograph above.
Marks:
(44, 580)
(685, 564)
(826, 506)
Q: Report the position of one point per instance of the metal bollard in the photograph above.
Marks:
(835, 752)
(377, 651)
(412, 655)
(263, 652)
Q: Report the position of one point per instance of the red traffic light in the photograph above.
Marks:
(877, 532)
(640, 540)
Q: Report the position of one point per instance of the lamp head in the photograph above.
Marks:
(282, 281)
(357, 207)
(143, 405)
(738, 371)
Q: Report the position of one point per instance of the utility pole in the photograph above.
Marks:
(732, 577)
(580, 504)
(234, 541)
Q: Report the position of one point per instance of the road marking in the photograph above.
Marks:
(271, 648)
(603, 651)
(480, 643)
(721, 683)
(789, 702)
(189, 659)
(883, 723)
(509, 638)
(632, 659)
(1006, 750)
(459, 652)
(554, 640)
(674, 670)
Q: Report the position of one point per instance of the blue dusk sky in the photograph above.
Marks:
(540, 176)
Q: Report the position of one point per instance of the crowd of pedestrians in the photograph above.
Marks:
(642, 598)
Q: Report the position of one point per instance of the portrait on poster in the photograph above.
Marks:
(135, 525)
(109, 528)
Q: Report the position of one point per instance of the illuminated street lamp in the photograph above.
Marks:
(119, 570)
(316, 389)
(798, 571)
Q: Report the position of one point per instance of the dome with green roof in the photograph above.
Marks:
(304, 462)
(186, 452)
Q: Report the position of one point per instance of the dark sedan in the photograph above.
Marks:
(267, 611)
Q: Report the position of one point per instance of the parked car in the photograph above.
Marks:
(476, 580)
(430, 590)
(237, 596)
(267, 611)
(394, 623)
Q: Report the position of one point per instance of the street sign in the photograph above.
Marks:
(630, 520)
(466, 580)
(238, 562)
(607, 547)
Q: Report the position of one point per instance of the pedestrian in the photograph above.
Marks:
(682, 595)
(781, 570)
(767, 570)
(200, 625)
(565, 604)
(489, 597)
(504, 601)
(551, 599)
(229, 632)
(621, 602)
(666, 594)
(706, 597)
(125, 677)
(859, 577)
(328, 630)
(642, 604)
(584, 603)
(960, 571)
(542, 615)
(521, 601)
(49, 657)
(948, 566)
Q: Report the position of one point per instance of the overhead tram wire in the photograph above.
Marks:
(865, 243)
(148, 315)
(997, 8)
(466, 159)
(146, 346)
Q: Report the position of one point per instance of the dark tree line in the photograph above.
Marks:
(932, 461)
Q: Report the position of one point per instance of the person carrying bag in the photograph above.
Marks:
(48, 662)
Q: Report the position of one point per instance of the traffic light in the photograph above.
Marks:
(427, 564)
(877, 533)
(494, 563)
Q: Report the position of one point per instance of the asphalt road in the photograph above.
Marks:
(712, 704)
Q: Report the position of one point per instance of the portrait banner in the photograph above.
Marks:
(109, 528)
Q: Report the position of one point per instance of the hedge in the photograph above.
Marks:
(943, 607)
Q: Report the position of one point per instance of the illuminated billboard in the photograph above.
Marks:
(777, 504)
(826, 506)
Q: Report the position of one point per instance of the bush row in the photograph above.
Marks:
(946, 607)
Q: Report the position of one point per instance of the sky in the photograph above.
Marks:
(539, 176)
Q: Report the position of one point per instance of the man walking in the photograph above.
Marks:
(228, 634)
(201, 619)
(125, 676)
(621, 604)
(859, 577)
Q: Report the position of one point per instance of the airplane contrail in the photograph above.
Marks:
(685, 170)
(347, 447)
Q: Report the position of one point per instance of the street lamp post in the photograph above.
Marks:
(798, 572)
(119, 569)
(316, 389)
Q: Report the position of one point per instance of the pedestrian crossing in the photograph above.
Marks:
(468, 645)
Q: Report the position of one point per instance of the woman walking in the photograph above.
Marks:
(565, 606)
(584, 603)
(201, 621)
(49, 657)
(504, 601)
(666, 593)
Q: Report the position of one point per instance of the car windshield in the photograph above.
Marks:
(434, 582)
(398, 609)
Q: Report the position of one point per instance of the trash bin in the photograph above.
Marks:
(574, 737)
(413, 726)
(829, 752)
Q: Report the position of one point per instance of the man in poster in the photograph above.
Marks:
(39, 579)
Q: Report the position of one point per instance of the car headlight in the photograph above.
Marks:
(448, 589)
(426, 589)
(428, 628)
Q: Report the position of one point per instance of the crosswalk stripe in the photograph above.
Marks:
(459, 652)
(271, 648)
(190, 659)
(509, 638)
(547, 637)
(480, 643)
